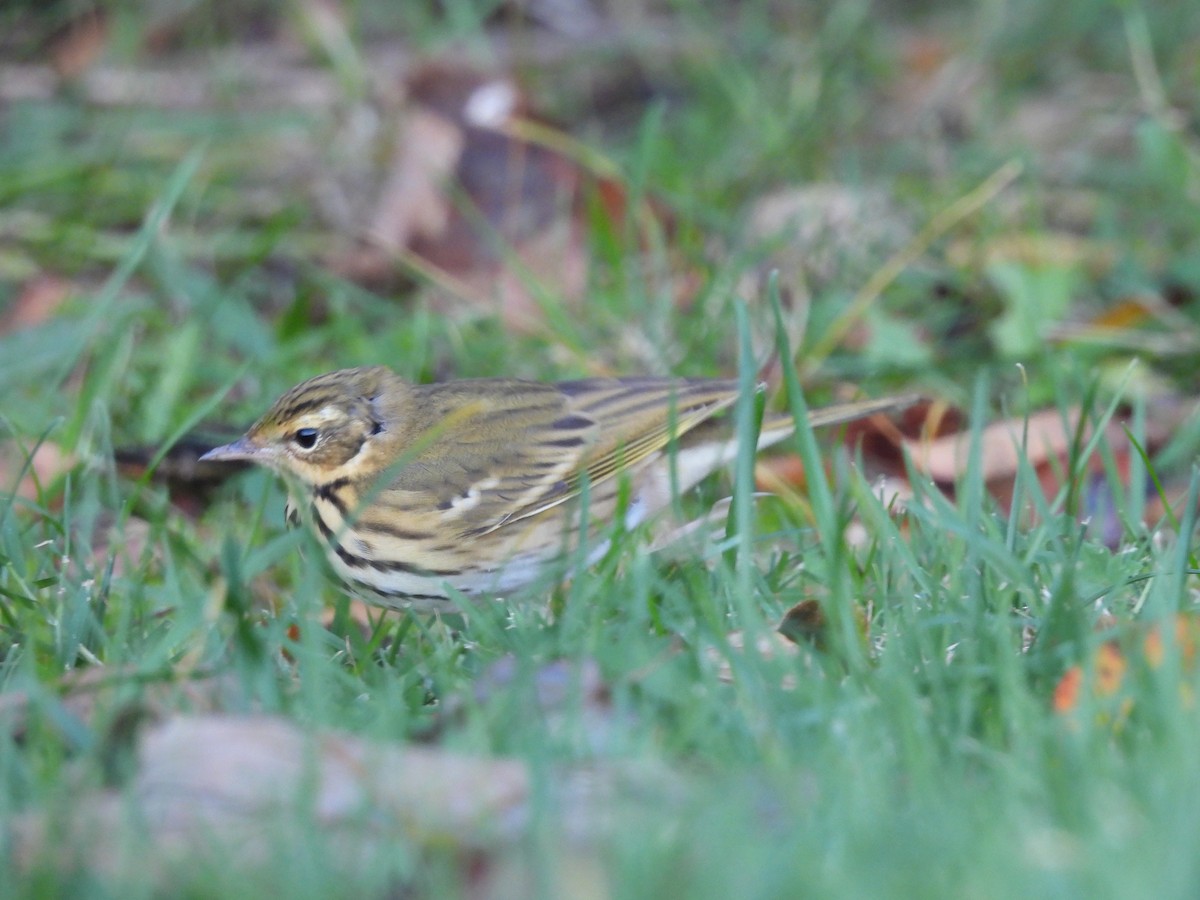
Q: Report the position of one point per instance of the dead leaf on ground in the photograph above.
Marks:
(806, 623)
(939, 94)
(1045, 440)
(78, 44)
(486, 203)
(1115, 661)
(29, 477)
(36, 303)
(936, 438)
(880, 438)
(1086, 115)
(1144, 322)
(1045, 435)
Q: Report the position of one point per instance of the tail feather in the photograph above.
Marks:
(778, 426)
(695, 459)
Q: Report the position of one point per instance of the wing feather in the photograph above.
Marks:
(527, 447)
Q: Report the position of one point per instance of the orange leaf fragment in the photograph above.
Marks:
(1111, 664)
(36, 302)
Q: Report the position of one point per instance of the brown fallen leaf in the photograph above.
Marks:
(78, 44)
(29, 476)
(1067, 120)
(880, 438)
(1002, 445)
(1049, 437)
(1145, 322)
(487, 204)
(805, 623)
(36, 303)
(939, 93)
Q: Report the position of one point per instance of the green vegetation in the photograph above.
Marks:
(912, 748)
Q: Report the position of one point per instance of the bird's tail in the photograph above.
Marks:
(778, 426)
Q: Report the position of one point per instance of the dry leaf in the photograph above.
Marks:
(412, 204)
(1111, 665)
(37, 301)
(880, 438)
(485, 203)
(1001, 444)
(77, 45)
(774, 473)
(29, 477)
(1051, 436)
(938, 97)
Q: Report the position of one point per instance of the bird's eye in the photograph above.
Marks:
(305, 438)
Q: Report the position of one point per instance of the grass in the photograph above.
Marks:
(914, 752)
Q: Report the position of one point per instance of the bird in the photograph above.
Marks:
(424, 493)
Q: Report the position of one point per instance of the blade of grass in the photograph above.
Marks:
(837, 608)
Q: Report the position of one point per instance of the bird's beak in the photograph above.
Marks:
(241, 449)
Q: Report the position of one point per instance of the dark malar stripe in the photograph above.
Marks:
(329, 492)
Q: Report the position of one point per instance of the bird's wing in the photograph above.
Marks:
(522, 448)
(638, 417)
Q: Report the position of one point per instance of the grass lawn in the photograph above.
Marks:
(990, 685)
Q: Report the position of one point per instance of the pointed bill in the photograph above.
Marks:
(241, 449)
